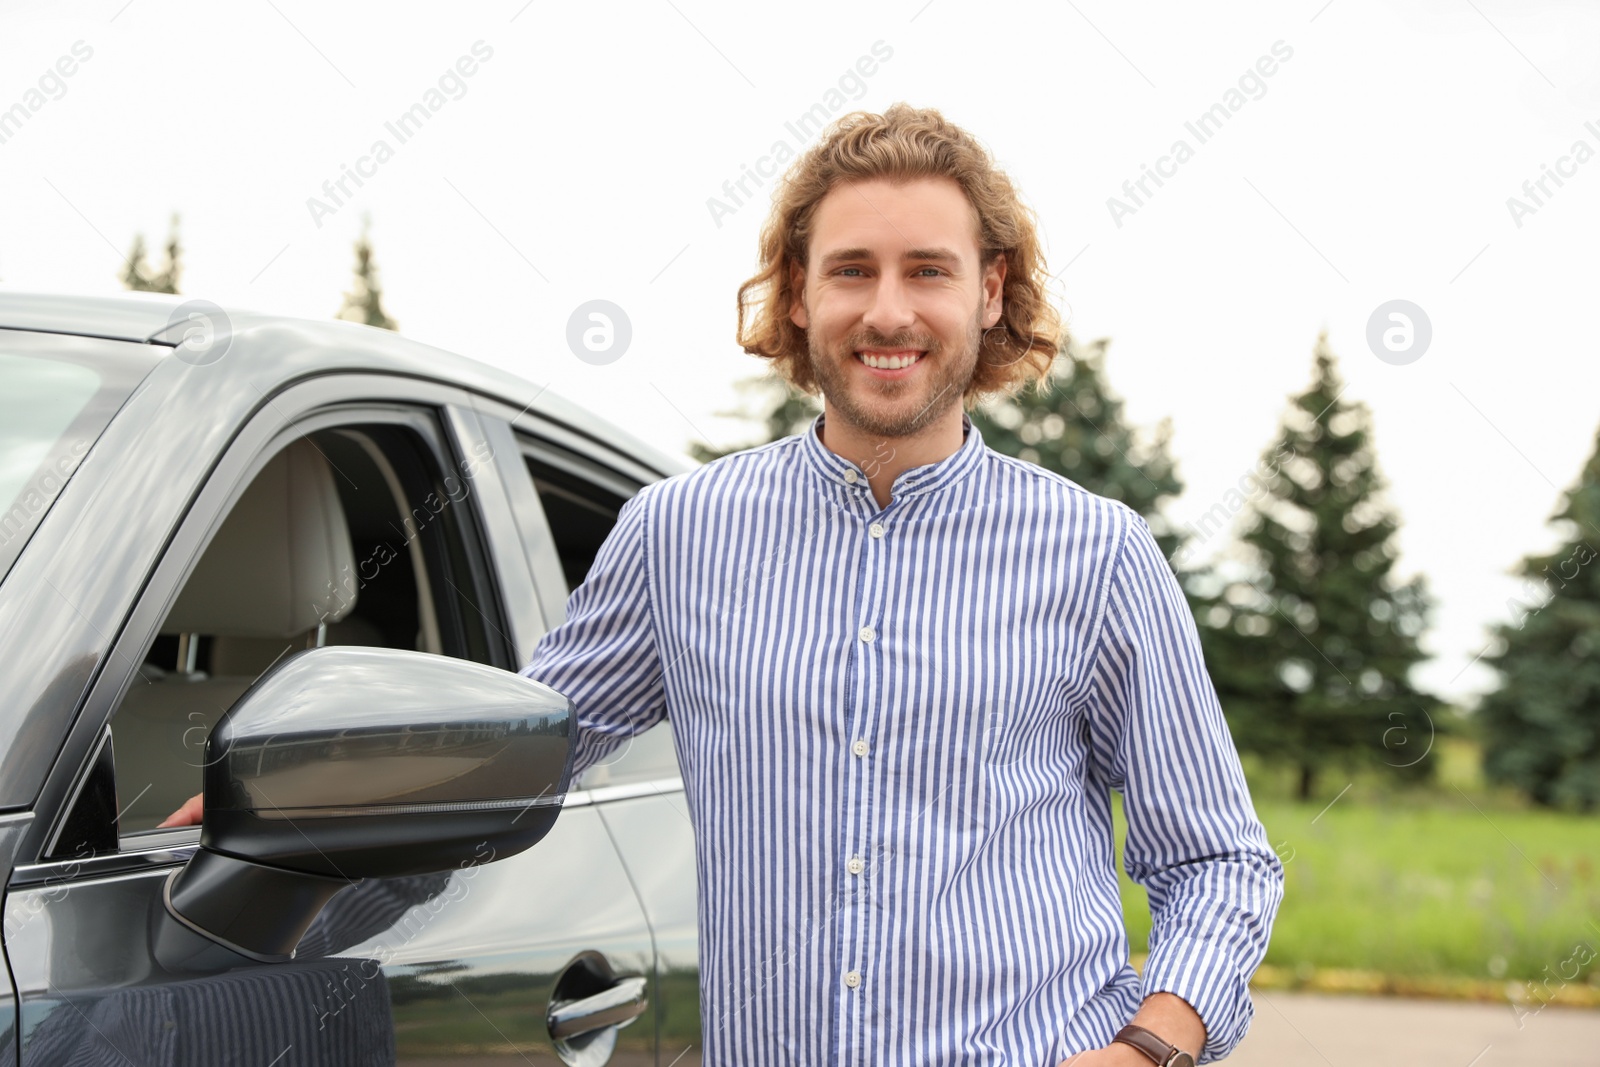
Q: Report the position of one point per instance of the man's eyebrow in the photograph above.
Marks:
(920, 255)
(844, 254)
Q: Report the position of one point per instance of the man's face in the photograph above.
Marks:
(894, 278)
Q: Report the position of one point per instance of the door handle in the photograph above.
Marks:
(618, 1005)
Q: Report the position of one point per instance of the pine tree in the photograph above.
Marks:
(1542, 725)
(1312, 648)
(364, 302)
(138, 276)
(1073, 424)
(788, 411)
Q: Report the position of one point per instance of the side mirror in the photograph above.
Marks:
(345, 763)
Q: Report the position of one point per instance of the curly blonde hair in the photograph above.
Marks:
(902, 144)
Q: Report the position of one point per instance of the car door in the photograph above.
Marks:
(566, 504)
(352, 509)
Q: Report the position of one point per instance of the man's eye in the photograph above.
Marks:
(936, 270)
(842, 270)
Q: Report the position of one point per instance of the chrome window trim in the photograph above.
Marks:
(168, 848)
(173, 847)
(606, 794)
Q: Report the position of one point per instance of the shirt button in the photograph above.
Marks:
(852, 979)
(868, 633)
(859, 748)
(876, 529)
(850, 476)
(856, 865)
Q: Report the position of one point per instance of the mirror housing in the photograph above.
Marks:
(349, 762)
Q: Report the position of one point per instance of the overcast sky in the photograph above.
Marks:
(579, 160)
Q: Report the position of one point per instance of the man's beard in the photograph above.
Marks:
(889, 410)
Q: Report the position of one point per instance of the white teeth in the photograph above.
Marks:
(888, 362)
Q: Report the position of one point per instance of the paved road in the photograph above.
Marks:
(1304, 1030)
(1328, 1031)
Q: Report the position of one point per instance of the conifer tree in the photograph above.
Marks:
(788, 411)
(1541, 727)
(1073, 424)
(1311, 650)
(364, 302)
(137, 274)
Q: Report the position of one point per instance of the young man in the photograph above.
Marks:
(905, 671)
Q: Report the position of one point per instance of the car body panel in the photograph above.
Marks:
(457, 967)
(469, 966)
(656, 842)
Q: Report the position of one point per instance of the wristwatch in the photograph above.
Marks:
(1161, 1054)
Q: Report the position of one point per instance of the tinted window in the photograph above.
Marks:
(52, 408)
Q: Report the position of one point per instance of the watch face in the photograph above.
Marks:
(1181, 1059)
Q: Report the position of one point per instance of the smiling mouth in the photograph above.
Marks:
(899, 359)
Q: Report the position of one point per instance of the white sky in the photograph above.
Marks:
(578, 163)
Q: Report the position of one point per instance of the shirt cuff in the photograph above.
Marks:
(1210, 982)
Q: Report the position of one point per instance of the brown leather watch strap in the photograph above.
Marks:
(1160, 1052)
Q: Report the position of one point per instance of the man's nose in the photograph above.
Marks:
(891, 310)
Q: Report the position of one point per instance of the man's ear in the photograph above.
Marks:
(994, 281)
(797, 297)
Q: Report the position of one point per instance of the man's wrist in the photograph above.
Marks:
(1172, 1019)
(1153, 1047)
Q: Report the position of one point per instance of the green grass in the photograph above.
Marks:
(1423, 883)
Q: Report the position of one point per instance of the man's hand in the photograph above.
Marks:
(188, 815)
(1167, 1016)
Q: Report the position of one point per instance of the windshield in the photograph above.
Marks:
(52, 408)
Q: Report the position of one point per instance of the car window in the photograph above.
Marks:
(55, 399)
(581, 502)
(347, 536)
(580, 508)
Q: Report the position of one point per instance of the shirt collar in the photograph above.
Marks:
(835, 470)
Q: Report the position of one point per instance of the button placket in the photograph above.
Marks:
(856, 925)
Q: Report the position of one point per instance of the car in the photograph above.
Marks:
(297, 565)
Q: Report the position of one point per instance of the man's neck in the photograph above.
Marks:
(882, 459)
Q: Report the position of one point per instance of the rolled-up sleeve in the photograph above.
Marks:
(604, 658)
(1194, 842)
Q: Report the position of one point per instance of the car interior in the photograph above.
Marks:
(344, 537)
(580, 517)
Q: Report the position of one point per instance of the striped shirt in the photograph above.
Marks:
(898, 729)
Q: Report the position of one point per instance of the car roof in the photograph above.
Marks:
(154, 318)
